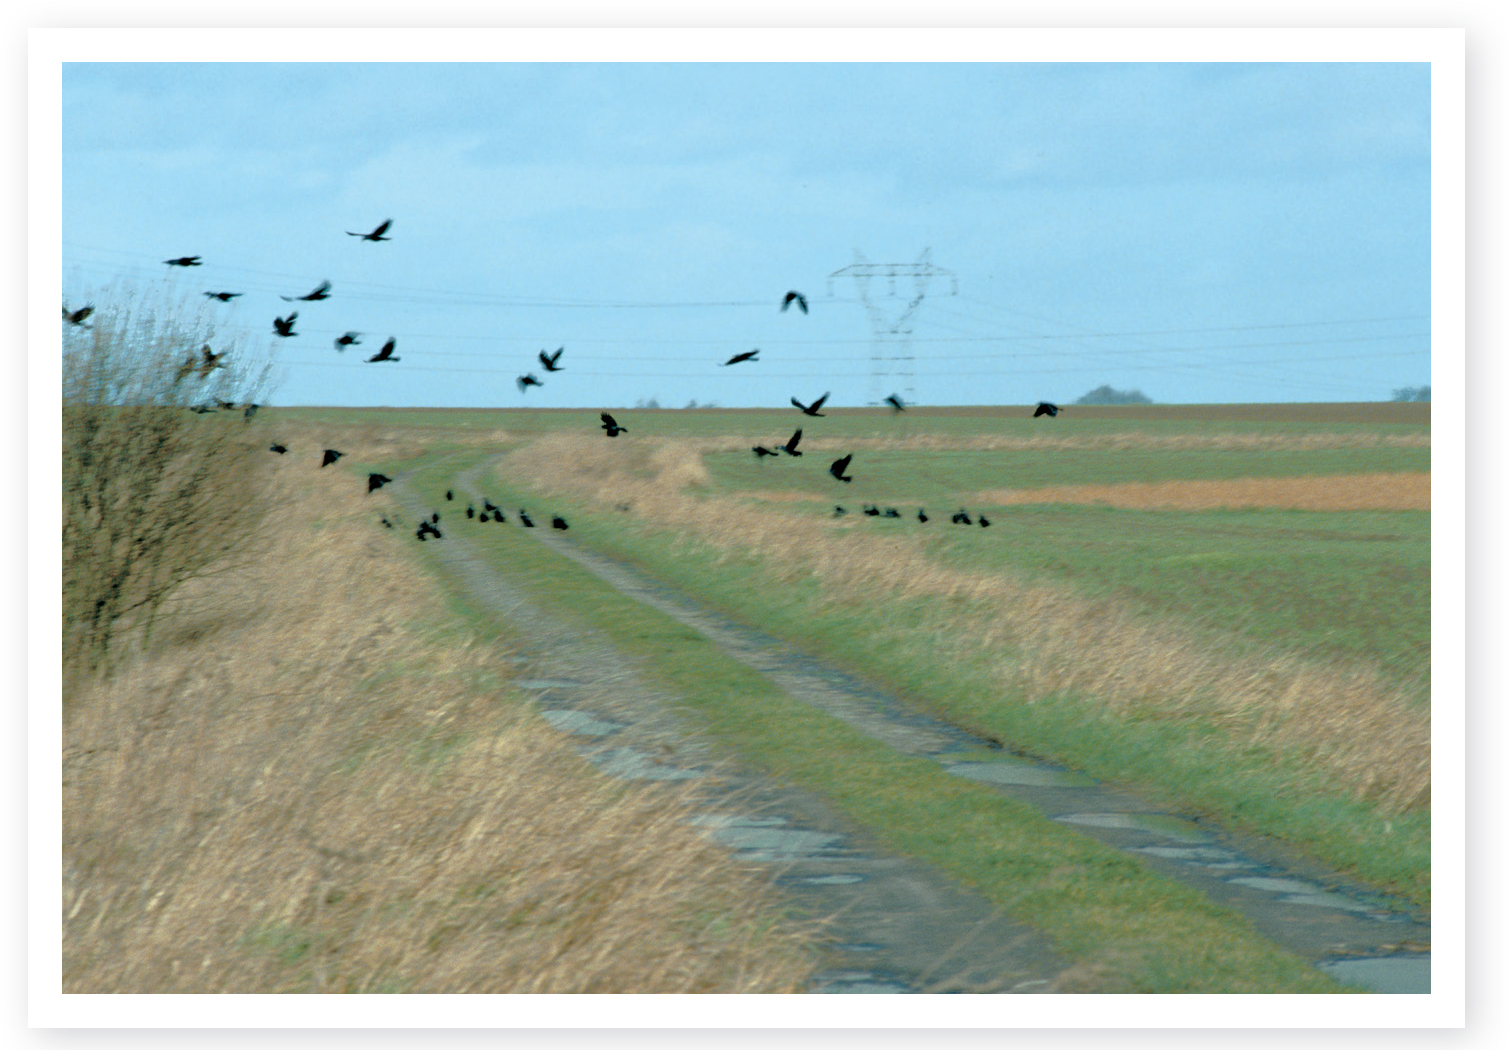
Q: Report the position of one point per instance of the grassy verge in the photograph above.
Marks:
(313, 782)
(1131, 929)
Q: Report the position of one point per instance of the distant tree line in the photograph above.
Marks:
(1106, 395)
(1413, 393)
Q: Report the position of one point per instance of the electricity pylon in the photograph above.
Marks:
(892, 364)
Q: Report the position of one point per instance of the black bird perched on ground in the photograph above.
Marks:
(471, 511)
(248, 412)
(349, 339)
(331, 455)
(524, 519)
(386, 523)
(896, 403)
(284, 326)
(614, 430)
(498, 516)
(449, 495)
(748, 355)
(200, 409)
(839, 466)
(1045, 408)
(960, 517)
(210, 360)
(549, 360)
(225, 405)
(322, 292)
(386, 353)
(487, 506)
(275, 447)
(434, 518)
(427, 528)
(981, 520)
(761, 452)
(839, 511)
(185, 260)
(794, 297)
(891, 512)
(376, 481)
(558, 522)
(790, 448)
(375, 235)
(811, 410)
(77, 316)
(224, 297)
(872, 511)
(526, 381)
(921, 516)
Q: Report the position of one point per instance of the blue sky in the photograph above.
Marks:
(1203, 232)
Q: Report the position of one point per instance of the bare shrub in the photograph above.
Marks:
(153, 492)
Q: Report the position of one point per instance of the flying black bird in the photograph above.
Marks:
(524, 519)
(449, 495)
(794, 297)
(386, 353)
(210, 361)
(609, 425)
(224, 297)
(275, 447)
(77, 316)
(322, 292)
(375, 235)
(331, 455)
(185, 260)
(960, 517)
(549, 360)
(790, 448)
(376, 481)
(921, 516)
(1045, 408)
(558, 522)
(872, 511)
(839, 466)
(349, 339)
(284, 326)
(526, 381)
(748, 355)
(811, 410)
(981, 519)
(896, 403)
(184, 369)
(761, 452)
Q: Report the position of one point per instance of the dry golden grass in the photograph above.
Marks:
(1345, 723)
(298, 790)
(1381, 491)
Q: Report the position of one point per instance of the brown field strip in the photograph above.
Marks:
(1385, 491)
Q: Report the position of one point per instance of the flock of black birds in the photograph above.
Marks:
(283, 327)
